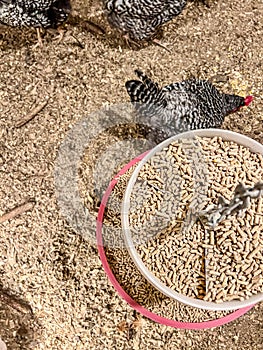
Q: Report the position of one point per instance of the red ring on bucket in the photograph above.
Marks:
(162, 320)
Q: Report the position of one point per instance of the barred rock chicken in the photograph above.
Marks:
(139, 19)
(30, 13)
(188, 105)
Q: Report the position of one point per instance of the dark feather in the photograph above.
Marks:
(29, 13)
(188, 105)
(140, 18)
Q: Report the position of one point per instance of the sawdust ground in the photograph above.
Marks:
(43, 262)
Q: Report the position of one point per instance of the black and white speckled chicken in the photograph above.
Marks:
(139, 19)
(30, 13)
(188, 105)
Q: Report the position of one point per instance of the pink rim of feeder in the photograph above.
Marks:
(136, 306)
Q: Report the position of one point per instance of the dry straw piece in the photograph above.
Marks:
(217, 264)
(25, 119)
(17, 211)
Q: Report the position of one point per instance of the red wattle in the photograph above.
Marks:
(248, 99)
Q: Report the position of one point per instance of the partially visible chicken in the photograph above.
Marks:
(139, 19)
(30, 13)
(188, 105)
